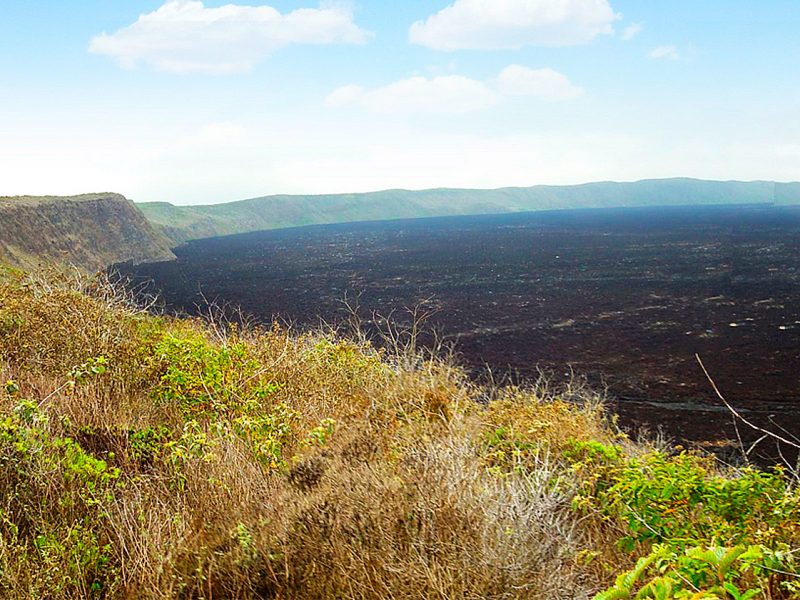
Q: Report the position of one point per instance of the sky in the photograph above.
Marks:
(196, 102)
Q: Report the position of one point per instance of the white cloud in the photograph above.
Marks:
(512, 24)
(450, 94)
(183, 36)
(456, 94)
(347, 94)
(631, 31)
(665, 53)
(548, 84)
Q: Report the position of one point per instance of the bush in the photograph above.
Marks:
(708, 533)
(52, 517)
(738, 572)
(682, 500)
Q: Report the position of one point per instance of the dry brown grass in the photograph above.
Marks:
(407, 498)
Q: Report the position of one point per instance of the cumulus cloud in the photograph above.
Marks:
(513, 24)
(183, 36)
(548, 84)
(665, 53)
(456, 94)
(631, 31)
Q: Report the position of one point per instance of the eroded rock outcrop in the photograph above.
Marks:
(90, 231)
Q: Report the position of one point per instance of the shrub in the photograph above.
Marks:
(738, 572)
(682, 500)
(52, 515)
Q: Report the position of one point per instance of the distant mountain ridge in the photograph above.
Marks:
(90, 231)
(93, 231)
(183, 223)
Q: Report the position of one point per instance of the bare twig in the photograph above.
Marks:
(739, 416)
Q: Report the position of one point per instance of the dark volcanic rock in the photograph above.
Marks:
(623, 297)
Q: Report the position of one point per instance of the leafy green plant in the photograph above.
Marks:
(226, 387)
(12, 387)
(734, 573)
(246, 544)
(681, 500)
(9, 322)
(92, 367)
(87, 559)
(210, 381)
(88, 470)
(320, 434)
(147, 445)
(68, 536)
(506, 451)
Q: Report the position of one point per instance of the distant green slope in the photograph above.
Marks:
(183, 223)
(787, 193)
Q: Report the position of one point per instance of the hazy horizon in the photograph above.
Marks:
(195, 102)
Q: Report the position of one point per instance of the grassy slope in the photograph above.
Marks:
(149, 457)
(270, 212)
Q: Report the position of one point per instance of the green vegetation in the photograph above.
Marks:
(182, 223)
(149, 457)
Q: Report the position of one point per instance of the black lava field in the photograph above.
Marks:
(624, 298)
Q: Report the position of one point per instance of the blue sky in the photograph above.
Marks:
(198, 102)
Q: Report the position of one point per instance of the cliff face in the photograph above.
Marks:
(90, 231)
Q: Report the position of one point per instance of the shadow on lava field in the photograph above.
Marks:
(622, 297)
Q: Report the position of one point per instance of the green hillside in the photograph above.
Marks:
(787, 193)
(182, 223)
